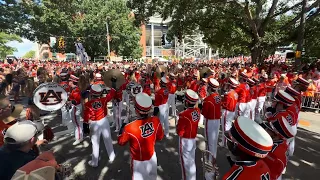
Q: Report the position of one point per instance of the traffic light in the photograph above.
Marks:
(61, 43)
(163, 39)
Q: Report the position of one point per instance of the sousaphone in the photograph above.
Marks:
(116, 74)
(160, 69)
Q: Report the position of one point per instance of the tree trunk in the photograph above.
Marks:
(256, 55)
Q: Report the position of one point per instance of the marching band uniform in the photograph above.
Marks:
(65, 110)
(262, 91)
(161, 105)
(75, 98)
(247, 139)
(211, 111)
(187, 130)
(95, 113)
(229, 105)
(172, 88)
(194, 83)
(142, 135)
(202, 92)
(243, 91)
(117, 109)
(147, 86)
(253, 98)
(98, 79)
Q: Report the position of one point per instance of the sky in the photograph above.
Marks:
(22, 48)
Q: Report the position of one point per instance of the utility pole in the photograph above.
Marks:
(301, 34)
(108, 36)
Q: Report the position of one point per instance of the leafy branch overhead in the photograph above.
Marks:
(85, 19)
(249, 26)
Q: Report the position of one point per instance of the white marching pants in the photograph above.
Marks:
(291, 143)
(244, 109)
(164, 117)
(172, 103)
(144, 170)
(212, 135)
(226, 123)
(117, 109)
(260, 102)
(76, 119)
(97, 128)
(253, 104)
(65, 116)
(187, 151)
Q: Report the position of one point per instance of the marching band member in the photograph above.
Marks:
(187, 131)
(65, 110)
(161, 105)
(98, 79)
(250, 144)
(251, 102)
(229, 105)
(117, 108)
(95, 113)
(194, 85)
(280, 130)
(211, 111)
(243, 91)
(74, 100)
(202, 92)
(172, 88)
(142, 135)
(146, 83)
(262, 92)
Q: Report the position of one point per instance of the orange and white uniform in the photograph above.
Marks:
(244, 170)
(262, 92)
(211, 111)
(172, 88)
(277, 159)
(243, 91)
(229, 105)
(75, 98)
(142, 135)
(253, 102)
(161, 101)
(187, 131)
(95, 113)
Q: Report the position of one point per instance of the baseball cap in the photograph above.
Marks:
(22, 131)
(8, 112)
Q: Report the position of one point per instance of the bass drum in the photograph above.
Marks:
(49, 96)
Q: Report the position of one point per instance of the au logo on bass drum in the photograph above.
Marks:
(50, 97)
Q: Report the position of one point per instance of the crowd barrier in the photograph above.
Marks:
(311, 102)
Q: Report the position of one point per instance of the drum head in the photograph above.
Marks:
(50, 97)
(136, 89)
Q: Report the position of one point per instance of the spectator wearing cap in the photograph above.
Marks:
(187, 131)
(74, 101)
(161, 105)
(280, 131)
(19, 140)
(142, 142)
(249, 144)
(211, 112)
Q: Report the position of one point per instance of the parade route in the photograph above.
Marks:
(304, 165)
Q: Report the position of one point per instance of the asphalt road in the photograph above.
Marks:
(304, 165)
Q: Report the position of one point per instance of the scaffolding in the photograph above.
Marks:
(192, 46)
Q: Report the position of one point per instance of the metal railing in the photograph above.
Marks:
(311, 102)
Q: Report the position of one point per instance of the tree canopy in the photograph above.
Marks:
(235, 27)
(85, 20)
(4, 48)
(30, 54)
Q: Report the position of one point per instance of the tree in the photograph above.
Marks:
(312, 40)
(29, 54)
(85, 21)
(255, 26)
(4, 48)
